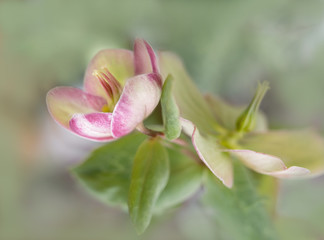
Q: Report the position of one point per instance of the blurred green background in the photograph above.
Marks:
(227, 46)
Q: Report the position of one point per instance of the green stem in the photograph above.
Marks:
(141, 128)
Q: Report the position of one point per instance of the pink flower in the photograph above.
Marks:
(121, 89)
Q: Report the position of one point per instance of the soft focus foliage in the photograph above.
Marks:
(227, 47)
(239, 212)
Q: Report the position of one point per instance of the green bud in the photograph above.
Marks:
(247, 120)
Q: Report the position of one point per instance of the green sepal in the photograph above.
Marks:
(170, 111)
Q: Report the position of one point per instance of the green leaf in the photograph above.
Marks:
(184, 181)
(149, 177)
(106, 172)
(226, 114)
(239, 212)
(190, 101)
(268, 187)
(170, 111)
(303, 148)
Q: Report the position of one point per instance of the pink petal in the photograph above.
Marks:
(268, 164)
(94, 126)
(145, 58)
(119, 62)
(63, 102)
(209, 153)
(293, 171)
(140, 96)
(304, 148)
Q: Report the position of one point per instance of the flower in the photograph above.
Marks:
(121, 89)
(218, 130)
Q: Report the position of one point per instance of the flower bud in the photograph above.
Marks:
(247, 120)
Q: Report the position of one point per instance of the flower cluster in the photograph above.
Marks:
(122, 88)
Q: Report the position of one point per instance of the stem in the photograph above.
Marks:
(218, 128)
(140, 127)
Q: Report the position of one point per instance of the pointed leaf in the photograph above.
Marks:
(304, 148)
(149, 177)
(106, 173)
(170, 111)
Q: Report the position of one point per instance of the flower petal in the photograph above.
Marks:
(144, 58)
(303, 148)
(267, 164)
(218, 163)
(293, 171)
(119, 62)
(63, 102)
(95, 126)
(140, 96)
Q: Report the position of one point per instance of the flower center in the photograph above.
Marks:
(112, 87)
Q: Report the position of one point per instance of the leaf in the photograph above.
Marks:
(190, 101)
(106, 172)
(209, 151)
(268, 187)
(304, 148)
(227, 114)
(184, 181)
(149, 177)
(239, 211)
(170, 111)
